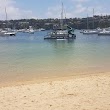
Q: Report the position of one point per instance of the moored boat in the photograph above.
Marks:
(30, 30)
(61, 32)
(7, 33)
(104, 32)
(90, 32)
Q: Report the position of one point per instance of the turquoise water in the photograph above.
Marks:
(27, 57)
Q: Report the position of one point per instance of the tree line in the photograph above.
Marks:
(76, 23)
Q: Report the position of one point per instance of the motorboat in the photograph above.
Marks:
(30, 30)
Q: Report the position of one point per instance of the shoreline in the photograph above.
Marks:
(85, 92)
(51, 79)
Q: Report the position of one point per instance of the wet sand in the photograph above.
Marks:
(84, 92)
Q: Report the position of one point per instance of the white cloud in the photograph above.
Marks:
(80, 1)
(54, 12)
(74, 8)
(69, 12)
(13, 11)
(78, 8)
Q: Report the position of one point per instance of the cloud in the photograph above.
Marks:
(72, 8)
(54, 12)
(13, 12)
(78, 8)
(80, 1)
(69, 12)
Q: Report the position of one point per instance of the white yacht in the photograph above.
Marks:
(90, 32)
(30, 30)
(7, 33)
(104, 32)
(41, 29)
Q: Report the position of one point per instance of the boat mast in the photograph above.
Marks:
(61, 21)
(87, 22)
(6, 18)
(93, 18)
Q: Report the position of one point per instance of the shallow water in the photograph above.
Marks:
(29, 56)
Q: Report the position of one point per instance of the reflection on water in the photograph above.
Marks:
(61, 43)
(26, 56)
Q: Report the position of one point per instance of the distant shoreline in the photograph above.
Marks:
(77, 23)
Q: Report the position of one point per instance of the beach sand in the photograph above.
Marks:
(84, 92)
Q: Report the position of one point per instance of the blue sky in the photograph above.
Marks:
(17, 9)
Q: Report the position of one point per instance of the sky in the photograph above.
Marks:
(41, 9)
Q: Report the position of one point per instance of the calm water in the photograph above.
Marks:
(27, 57)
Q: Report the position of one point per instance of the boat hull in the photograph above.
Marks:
(60, 34)
(104, 34)
(60, 37)
(8, 34)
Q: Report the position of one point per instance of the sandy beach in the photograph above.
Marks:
(85, 92)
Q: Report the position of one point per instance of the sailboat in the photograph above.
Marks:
(90, 31)
(7, 32)
(61, 32)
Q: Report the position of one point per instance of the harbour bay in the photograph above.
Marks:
(25, 57)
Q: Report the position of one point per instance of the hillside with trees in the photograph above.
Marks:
(77, 23)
